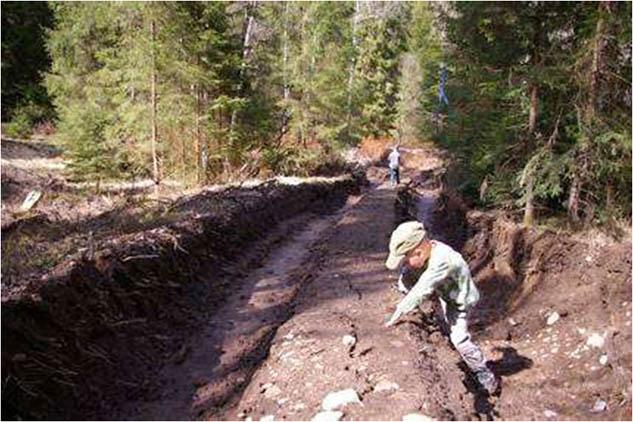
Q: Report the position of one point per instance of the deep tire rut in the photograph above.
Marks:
(351, 296)
(211, 370)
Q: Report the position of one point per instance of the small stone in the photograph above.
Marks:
(339, 399)
(386, 386)
(267, 418)
(599, 406)
(249, 419)
(297, 407)
(549, 413)
(283, 401)
(588, 258)
(349, 340)
(31, 199)
(272, 392)
(19, 357)
(397, 343)
(416, 417)
(513, 322)
(327, 416)
(603, 359)
(595, 340)
(581, 331)
(552, 318)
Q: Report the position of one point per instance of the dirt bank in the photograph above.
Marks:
(96, 330)
(555, 314)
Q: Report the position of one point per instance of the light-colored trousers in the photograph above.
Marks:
(460, 337)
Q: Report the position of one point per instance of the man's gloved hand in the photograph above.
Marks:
(394, 318)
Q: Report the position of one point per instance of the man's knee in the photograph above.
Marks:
(459, 337)
(472, 355)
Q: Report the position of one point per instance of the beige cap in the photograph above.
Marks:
(404, 238)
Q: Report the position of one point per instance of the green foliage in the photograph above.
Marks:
(24, 59)
(509, 62)
(383, 39)
(539, 92)
(293, 161)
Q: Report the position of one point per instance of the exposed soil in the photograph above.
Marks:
(238, 309)
(74, 219)
(96, 330)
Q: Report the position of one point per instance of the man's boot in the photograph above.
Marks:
(488, 381)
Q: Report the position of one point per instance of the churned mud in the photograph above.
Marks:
(258, 303)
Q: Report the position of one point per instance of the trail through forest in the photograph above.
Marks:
(310, 322)
(186, 325)
(325, 281)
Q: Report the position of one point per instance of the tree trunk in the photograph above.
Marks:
(199, 174)
(528, 216)
(574, 198)
(285, 56)
(592, 109)
(596, 63)
(153, 105)
(245, 50)
(352, 67)
(204, 146)
(533, 109)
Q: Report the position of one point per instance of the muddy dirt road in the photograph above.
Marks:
(301, 312)
(276, 346)
(310, 322)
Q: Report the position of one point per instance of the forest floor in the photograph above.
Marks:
(306, 318)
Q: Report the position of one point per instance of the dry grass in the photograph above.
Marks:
(376, 148)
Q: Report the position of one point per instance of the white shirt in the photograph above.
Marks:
(394, 158)
(448, 274)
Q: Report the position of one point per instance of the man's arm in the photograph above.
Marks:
(424, 287)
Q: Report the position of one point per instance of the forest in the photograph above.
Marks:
(533, 99)
(355, 210)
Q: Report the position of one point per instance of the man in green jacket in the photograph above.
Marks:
(448, 275)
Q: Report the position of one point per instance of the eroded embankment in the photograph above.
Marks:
(98, 328)
(555, 314)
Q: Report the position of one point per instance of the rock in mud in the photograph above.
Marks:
(603, 359)
(549, 413)
(339, 399)
(327, 416)
(19, 357)
(271, 391)
(416, 417)
(599, 406)
(552, 318)
(349, 340)
(267, 418)
(298, 407)
(386, 386)
(595, 340)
